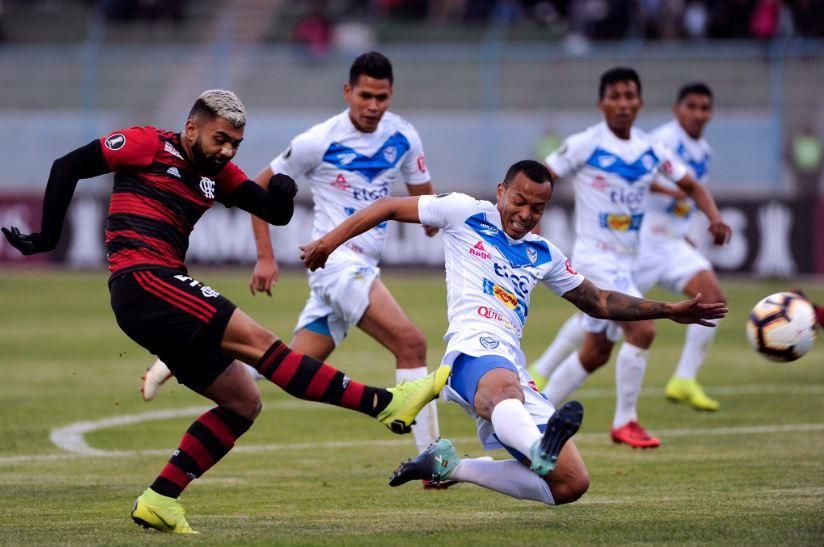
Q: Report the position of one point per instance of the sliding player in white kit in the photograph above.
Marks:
(612, 166)
(350, 161)
(493, 262)
(666, 257)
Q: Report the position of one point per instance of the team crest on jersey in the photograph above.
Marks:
(168, 148)
(209, 292)
(532, 255)
(488, 342)
(115, 141)
(207, 187)
(390, 153)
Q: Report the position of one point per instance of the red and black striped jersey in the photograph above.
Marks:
(158, 197)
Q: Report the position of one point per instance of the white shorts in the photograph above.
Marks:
(339, 292)
(670, 263)
(470, 342)
(610, 271)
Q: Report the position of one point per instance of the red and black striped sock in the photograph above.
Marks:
(207, 440)
(306, 378)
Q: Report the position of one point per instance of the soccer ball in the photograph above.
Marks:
(782, 327)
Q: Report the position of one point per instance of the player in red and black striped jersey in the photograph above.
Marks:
(163, 183)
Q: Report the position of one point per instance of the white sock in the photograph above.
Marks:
(253, 373)
(569, 338)
(514, 426)
(505, 476)
(567, 378)
(629, 376)
(695, 350)
(425, 429)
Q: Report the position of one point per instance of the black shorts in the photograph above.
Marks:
(175, 317)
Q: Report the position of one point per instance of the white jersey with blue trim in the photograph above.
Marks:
(667, 216)
(349, 169)
(611, 178)
(489, 275)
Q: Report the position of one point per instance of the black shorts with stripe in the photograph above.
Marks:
(175, 317)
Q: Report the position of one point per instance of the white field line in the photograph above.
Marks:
(71, 438)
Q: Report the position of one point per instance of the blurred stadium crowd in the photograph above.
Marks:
(596, 20)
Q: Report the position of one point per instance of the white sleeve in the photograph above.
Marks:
(561, 277)
(446, 210)
(571, 155)
(671, 167)
(414, 163)
(302, 155)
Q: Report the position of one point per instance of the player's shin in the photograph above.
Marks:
(506, 476)
(569, 338)
(425, 429)
(206, 441)
(629, 376)
(696, 346)
(565, 380)
(307, 378)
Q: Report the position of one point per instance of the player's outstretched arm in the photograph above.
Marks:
(315, 253)
(423, 190)
(266, 271)
(720, 231)
(618, 306)
(83, 163)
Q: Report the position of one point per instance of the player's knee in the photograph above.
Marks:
(248, 405)
(595, 357)
(642, 334)
(571, 489)
(412, 348)
(487, 399)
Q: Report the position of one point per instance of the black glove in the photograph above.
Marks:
(281, 185)
(27, 244)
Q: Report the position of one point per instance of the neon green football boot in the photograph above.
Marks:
(153, 510)
(688, 390)
(409, 398)
(540, 379)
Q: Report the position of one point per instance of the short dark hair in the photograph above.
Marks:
(372, 64)
(618, 74)
(694, 88)
(534, 171)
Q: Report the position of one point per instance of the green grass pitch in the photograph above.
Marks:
(315, 475)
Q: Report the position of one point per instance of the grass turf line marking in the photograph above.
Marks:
(592, 436)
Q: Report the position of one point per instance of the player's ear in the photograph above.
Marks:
(191, 129)
(347, 91)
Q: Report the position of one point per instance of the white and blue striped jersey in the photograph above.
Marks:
(348, 170)
(667, 216)
(489, 275)
(611, 178)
